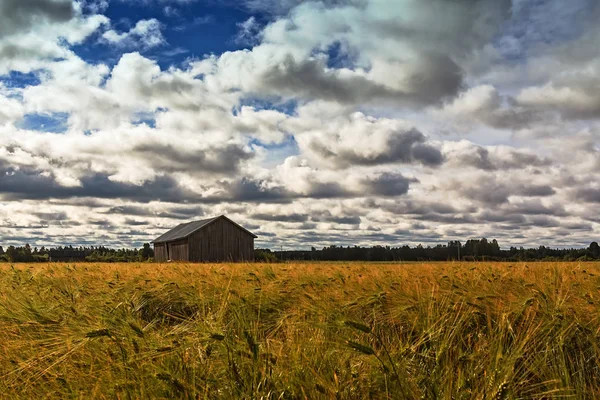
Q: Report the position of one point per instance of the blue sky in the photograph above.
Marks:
(311, 122)
(191, 29)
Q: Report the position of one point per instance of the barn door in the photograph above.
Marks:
(168, 251)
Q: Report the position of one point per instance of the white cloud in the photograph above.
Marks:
(146, 34)
(484, 104)
(400, 55)
(360, 154)
(28, 48)
(11, 109)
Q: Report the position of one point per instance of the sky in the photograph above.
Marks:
(311, 123)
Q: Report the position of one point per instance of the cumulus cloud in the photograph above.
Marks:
(33, 33)
(11, 109)
(21, 16)
(400, 54)
(338, 122)
(146, 33)
(483, 104)
(358, 139)
(490, 190)
(575, 101)
(492, 158)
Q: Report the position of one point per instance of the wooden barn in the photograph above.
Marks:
(208, 240)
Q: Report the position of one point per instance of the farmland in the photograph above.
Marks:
(300, 330)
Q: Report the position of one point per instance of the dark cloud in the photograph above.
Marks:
(28, 183)
(252, 191)
(48, 216)
(490, 191)
(533, 190)
(481, 158)
(134, 222)
(578, 226)
(104, 223)
(280, 7)
(130, 210)
(19, 16)
(501, 216)
(542, 221)
(281, 217)
(447, 219)
(169, 158)
(401, 147)
(387, 184)
(415, 207)
(337, 219)
(467, 24)
(248, 190)
(304, 218)
(435, 77)
(534, 207)
(587, 194)
(328, 190)
(176, 212)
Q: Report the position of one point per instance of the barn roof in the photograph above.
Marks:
(182, 231)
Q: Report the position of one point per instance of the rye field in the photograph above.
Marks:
(300, 331)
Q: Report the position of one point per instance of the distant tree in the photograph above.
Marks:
(1, 250)
(147, 252)
(264, 255)
(594, 249)
(11, 253)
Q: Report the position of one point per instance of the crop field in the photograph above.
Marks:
(300, 331)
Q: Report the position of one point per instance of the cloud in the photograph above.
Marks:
(483, 104)
(171, 159)
(29, 183)
(337, 122)
(576, 101)
(387, 184)
(358, 139)
(434, 78)
(248, 31)
(34, 33)
(146, 32)
(293, 57)
(587, 194)
(491, 190)
(21, 16)
(282, 7)
(492, 158)
(11, 109)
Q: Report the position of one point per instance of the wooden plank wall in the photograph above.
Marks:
(160, 252)
(221, 241)
(178, 251)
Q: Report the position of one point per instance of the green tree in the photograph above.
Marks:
(11, 253)
(594, 249)
(147, 252)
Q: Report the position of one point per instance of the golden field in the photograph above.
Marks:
(300, 331)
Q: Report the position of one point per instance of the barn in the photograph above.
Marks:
(208, 240)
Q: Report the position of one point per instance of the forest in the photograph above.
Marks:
(471, 250)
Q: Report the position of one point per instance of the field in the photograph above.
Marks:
(300, 331)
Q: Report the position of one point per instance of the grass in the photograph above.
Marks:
(300, 331)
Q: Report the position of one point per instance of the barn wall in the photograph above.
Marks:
(160, 252)
(205, 245)
(221, 241)
(238, 245)
(178, 250)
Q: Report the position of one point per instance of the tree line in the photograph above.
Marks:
(471, 250)
(70, 253)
